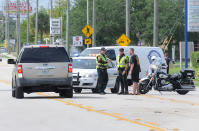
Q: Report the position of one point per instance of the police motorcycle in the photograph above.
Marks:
(158, 80)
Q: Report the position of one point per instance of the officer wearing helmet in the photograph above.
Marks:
(122, 66)
(102, 65)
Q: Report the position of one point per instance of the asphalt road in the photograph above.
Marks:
(94, 112)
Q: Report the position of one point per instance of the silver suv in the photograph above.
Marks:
(42, 68)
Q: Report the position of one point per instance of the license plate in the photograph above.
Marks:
(189, 74)
(45, 72)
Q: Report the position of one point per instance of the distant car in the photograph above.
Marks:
(86, 68)
(3, 50)
(42, 68)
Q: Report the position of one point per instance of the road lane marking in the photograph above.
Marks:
(153, 123)
(6, 82)
(104, 113)
(175, 129)
(172, 100)
(149, 96)
(118, 114)
(69, 102)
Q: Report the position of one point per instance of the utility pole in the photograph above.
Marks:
(18, 31)
(87, 17)
(68, 25)
(128, 18)
(186, 32)
(51, 6)
(155, 26)
(28, 7)
(94, 24)
(36, 23)
(7, 27)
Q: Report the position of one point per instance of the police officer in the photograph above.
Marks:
(122, 66)
(102, 65)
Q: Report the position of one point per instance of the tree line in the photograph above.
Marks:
(111, 21)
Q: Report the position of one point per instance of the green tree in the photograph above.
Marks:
(12, 28)
(111, 20)
(43, 22)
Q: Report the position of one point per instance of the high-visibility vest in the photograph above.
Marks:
(121, 63)
(100, 65)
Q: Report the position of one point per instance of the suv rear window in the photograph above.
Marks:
(40, 55)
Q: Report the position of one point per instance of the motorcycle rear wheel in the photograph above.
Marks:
(182, 92)
(143, 88)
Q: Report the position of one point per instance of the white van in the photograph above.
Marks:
(144, 54)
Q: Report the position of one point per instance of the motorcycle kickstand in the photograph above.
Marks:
(160, 92)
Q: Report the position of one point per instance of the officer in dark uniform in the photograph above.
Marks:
(122, 66)
(102, 65)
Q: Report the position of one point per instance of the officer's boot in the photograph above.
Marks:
(122, 91)
(126, 91)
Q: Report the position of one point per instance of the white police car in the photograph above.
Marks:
(86, 68)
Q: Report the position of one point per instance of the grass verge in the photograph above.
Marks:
(175, 68)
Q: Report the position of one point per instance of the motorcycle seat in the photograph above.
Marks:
(176, 76)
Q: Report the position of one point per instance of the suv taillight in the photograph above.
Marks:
(44, 46)
(20, 69)
(70, 68)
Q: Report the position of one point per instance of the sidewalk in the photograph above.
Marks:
(8, 56)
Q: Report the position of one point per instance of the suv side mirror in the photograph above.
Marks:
(198, 60)
(11, 61)
(71, 59)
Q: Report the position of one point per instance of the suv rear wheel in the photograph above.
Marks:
(78, 90)
(13, 89)
(19, 94)
(116, 88)
(67, 93)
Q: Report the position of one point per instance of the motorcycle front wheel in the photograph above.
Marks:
(143, 88)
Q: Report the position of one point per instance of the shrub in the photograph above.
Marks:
(194, 58)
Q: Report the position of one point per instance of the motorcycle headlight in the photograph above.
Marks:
(154, 67)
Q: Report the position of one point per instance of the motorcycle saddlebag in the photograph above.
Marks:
(187, 73)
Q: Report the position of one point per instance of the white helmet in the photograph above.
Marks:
(153, 58)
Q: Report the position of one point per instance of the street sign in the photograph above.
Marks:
(193, 17)
(13, 8)
(88, 41)
(123, 40)
(55, 26)
(77, 41)
(87, 30)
